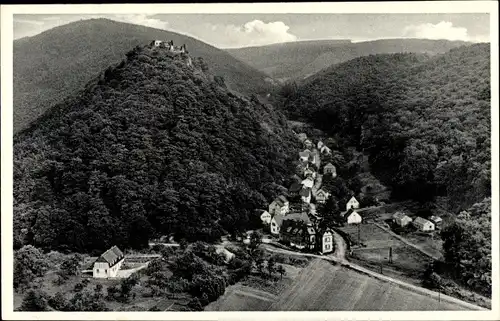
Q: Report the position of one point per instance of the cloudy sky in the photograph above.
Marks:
(241, 30)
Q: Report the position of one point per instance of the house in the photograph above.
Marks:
(298, 233)
(330, 169)
(279, 206)
(321, 196)
(325, 241)
(436, 220)
(352, 217)
(265, 217)
(309, 173)
(305, 194)
(313, 158)
(108, 264)
(302, 137)
(423, 225)
(401, 219)
(276, 224)
(308, 144)
(352, 203)
(325, 150)
(294, 189)
(308, 182)
(304, 156)
(320, 144)
(156, 43)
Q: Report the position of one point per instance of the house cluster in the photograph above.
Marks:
(293, 220)
(169, 45)
(420, 223)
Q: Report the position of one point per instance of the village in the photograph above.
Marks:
(291, 220)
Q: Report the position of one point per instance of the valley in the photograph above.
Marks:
(155, 172)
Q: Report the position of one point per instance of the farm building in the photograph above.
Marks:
(401, 219)
(109, 263)
(330, 169)
(265, 217)
(423, 225)
(308, 182)
(352, 217)
(279, 206)
(352, 203)
(276, 224)
(305, 194)
(436, 220)
(313, 157)
(321, 196)
(156, 43)
(302, 137)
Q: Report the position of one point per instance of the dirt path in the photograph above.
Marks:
(340, 247)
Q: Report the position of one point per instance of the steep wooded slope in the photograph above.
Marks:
(297, 60)
(151, 146)
(50, 66)
(424, 121)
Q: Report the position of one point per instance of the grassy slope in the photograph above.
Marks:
(52, 65)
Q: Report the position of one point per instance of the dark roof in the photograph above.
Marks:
(278, 219)
(295, 228)
(306, 191)
(298, 217)
(295, 187)
(111, 256)
(330, 165)
(282, 198)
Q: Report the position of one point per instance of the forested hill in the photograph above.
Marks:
(424, 121)
(300, 59)
(153, 145)
(52, 65)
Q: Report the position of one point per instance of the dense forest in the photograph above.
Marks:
(154, 145)
(424, 121)
(54, 64)
(300, 59)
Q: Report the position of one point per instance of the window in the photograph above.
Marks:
(97, 270)
(106, 271)
(327, 246)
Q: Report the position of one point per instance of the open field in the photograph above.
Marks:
(372, 236)
(323, 286)
(253, 293)
(242, 298)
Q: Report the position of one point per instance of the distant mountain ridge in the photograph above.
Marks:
(51, 65)
(298, 60)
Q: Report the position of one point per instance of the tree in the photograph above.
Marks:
(255, 240)
(271, 265)
(35, 300)
(281, 270)
(70, 266)
(59, 302)
(29, 263)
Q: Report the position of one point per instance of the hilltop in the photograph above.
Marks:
(154, 145)
(424, 120)
(298, 60)
(54, 64)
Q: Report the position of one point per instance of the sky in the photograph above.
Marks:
(243, 30)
